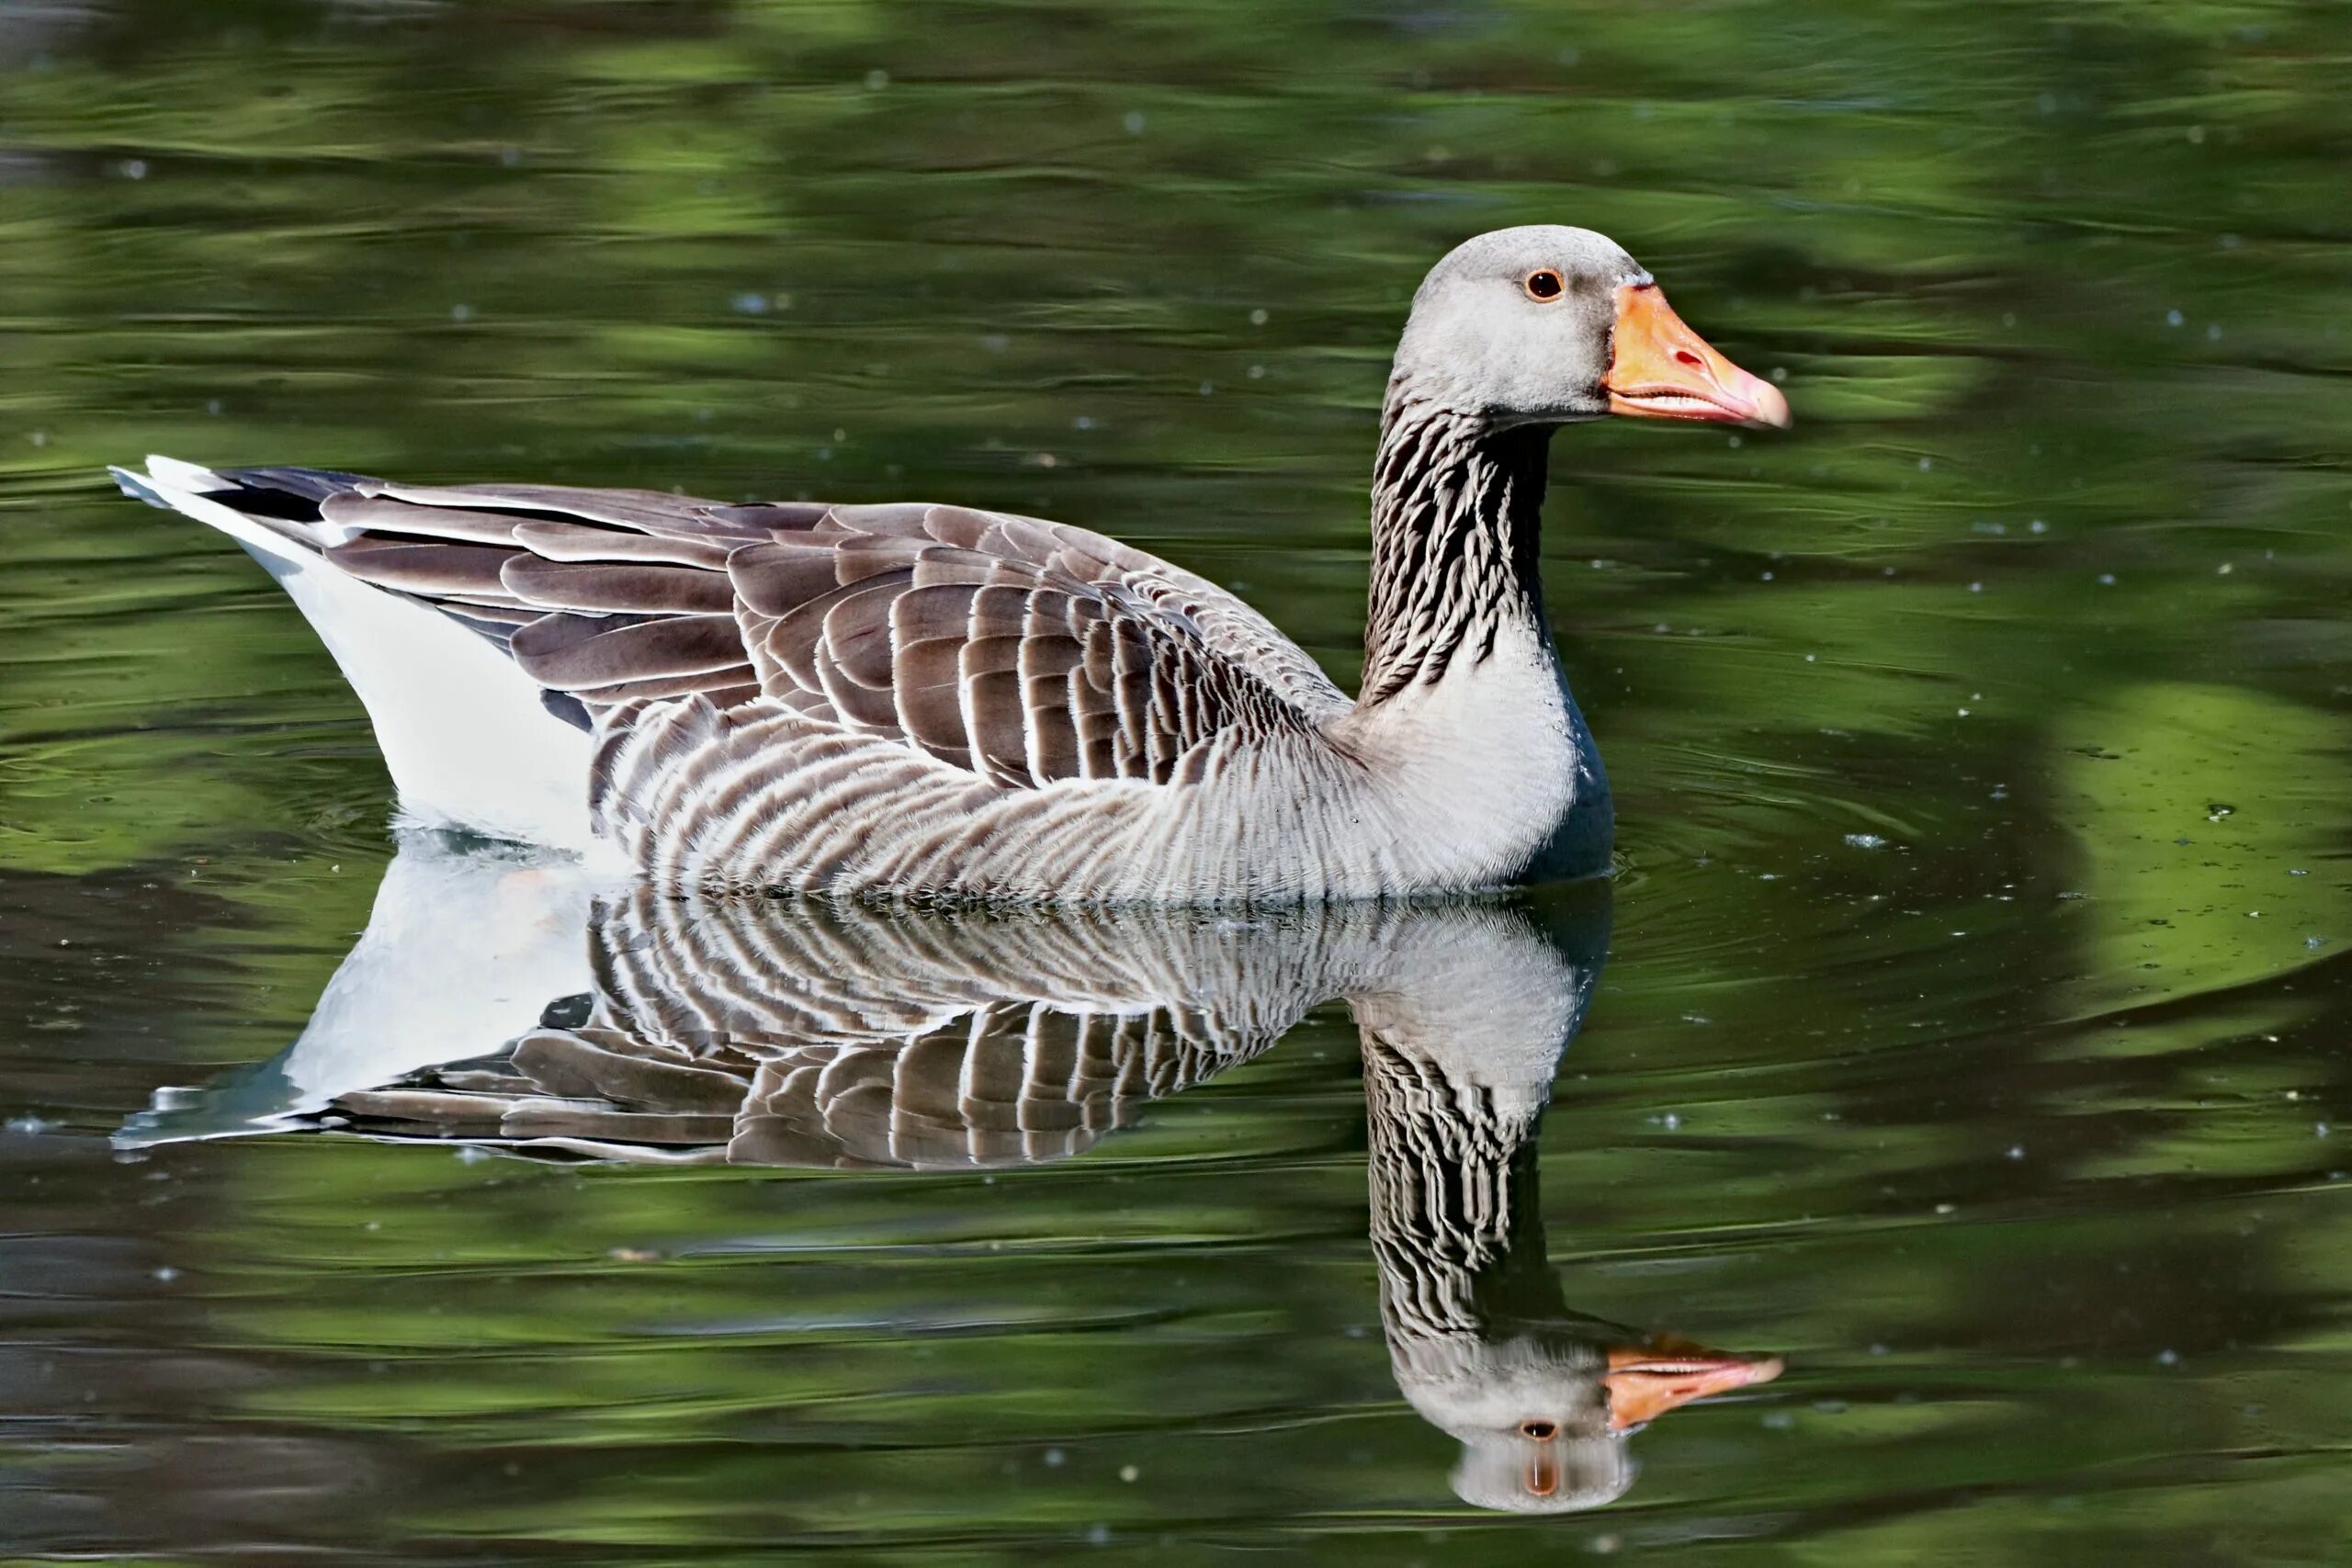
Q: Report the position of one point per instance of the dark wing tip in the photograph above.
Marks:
(292, 494)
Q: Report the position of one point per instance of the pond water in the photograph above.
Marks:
(1968, 1064)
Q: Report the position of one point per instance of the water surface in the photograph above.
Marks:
(1971, 1032)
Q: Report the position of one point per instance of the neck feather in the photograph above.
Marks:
(1456, 509)
(1456, 1224)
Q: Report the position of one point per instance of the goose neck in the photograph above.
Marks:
(1456, 505)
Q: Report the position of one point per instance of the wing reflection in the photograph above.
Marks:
(768, 1032)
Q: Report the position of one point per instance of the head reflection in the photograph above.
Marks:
(1541, 1397)
(761, 1033)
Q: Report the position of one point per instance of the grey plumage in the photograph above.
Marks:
(923, 701)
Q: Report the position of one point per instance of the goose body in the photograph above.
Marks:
(918, 700)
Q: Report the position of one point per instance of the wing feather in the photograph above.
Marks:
(1029, 652)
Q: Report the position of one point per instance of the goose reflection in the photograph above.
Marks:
(830, 1035)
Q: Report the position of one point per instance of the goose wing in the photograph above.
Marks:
(1024, 650)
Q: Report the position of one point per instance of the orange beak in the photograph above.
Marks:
(1645, 1382)
(1661, 369)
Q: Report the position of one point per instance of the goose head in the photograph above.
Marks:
(1542, 1413)
(1546, 325)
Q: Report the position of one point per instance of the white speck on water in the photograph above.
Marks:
(1779, 372)
(212, 407)
(1947, 1208)
(2315, 942)
(1778, 1420)
(1977, 588)
(134, 168)
(877, 80)
(2038, 527)
(2297, 871)
(1208, 389)
(30, 1126)
(1808, 659)
(2173, 318)
(1962, 712)
(1256, 372)
(1054, 1458)
(2214, 332)
(1764, 576)
(1083, 421)
(2168, 1358)
(1129, 1474)
(2017, 1151)
(1258, 317)
(2319, 1129)
(1134, 122)
(2224, 569)
(473, 1156)
(1926, 463)
(2106, 579)
(1670, 1120)
(1865, 841)
(461, 313)
(749, 304)
(166, 1274)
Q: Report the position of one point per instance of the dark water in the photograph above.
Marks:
(1970, 1035)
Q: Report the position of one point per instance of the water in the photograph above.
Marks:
(1971, 1033)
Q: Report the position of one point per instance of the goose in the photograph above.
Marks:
(917, 701)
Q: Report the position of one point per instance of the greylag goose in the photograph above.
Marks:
(931, 700)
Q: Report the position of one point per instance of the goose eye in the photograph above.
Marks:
(1544, 284)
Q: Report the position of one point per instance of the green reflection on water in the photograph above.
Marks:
(2059, 294)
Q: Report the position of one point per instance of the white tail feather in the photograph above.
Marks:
(463, 732)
